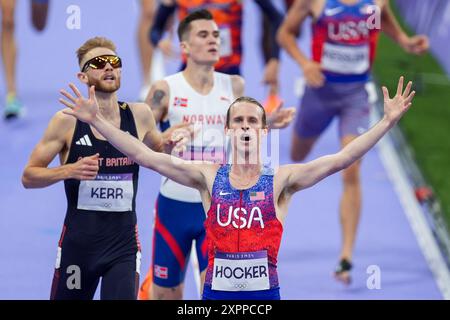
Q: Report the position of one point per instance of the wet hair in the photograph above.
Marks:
(248, 100)
(185, 25)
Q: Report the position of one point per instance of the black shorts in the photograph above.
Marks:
(83, 259)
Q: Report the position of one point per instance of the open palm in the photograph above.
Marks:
(81, 108)
(395, 108)
(281, 117)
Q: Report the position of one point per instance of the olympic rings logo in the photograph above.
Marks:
(241, 285)
(107, 204)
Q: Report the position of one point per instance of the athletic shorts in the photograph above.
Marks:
(177, 224)
(347, 101)
(83, 259)
(210, 294)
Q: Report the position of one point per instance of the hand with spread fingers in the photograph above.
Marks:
(177, 137)
(81, 108)
(281, 117)
(395, 108)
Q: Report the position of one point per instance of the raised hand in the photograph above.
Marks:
(281, 117)
(395, 108)
(166, 47)
(176, 137)
(81, 108)
(417, 44)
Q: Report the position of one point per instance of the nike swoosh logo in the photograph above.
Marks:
(333, 11)
(221, 193)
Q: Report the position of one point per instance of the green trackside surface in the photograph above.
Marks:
(427, 125)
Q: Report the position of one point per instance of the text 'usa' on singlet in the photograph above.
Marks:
(344, 40)
(243, 235)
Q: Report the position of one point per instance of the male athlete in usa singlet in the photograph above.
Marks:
(344, 39)
(243, 236)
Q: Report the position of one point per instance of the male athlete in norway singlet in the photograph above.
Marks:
(179, 214)
(200, 96)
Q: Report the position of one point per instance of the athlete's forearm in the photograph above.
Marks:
(287, 40)
(391, 27)
(38, 177)
(125, 142)
(137, 151)
(358, 147)
(162, 15)
(275, 19)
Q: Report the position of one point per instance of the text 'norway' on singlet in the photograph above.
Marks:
(207, 113)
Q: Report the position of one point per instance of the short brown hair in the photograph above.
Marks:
(185, 25)
(96, 42)
(248, 100)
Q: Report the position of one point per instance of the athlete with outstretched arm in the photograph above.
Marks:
(246, 202)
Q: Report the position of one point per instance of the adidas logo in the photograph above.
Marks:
(84, 141)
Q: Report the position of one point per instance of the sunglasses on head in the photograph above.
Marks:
(101, 61)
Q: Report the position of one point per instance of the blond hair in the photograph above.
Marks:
(96, 42)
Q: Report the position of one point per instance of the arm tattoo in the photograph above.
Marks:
(157, 98)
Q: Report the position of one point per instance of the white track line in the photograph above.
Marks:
(414, 213)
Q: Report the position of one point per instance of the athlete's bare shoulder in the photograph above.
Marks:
(60, 130)
(306, 5)
(141, 112)
(315, 8)
(161, 85)
(281, 174)
(299, 11)
(238, 85)
(139, 108)
(158, 99)
(146, 125)
(63, 122)
(381, 3)
(209, 171)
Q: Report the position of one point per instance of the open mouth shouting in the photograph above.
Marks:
(245, 137)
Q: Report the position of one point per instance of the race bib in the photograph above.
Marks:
(108, 192)
(226, 48)
(242, 271)
(345, 59)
